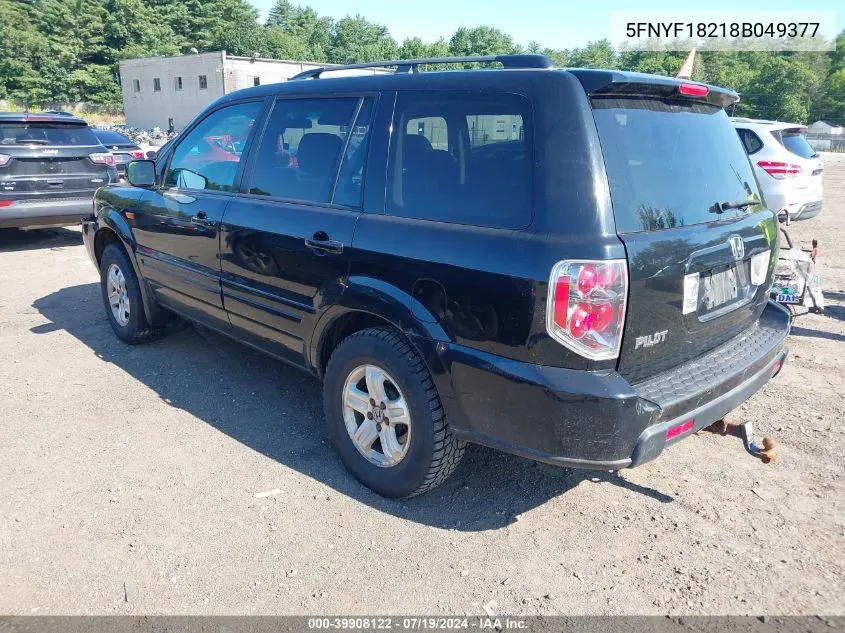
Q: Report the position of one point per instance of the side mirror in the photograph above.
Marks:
(152, 154)
(141, 173)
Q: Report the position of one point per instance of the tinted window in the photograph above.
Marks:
(434, 128)
(750, 140)
(46, 134)
(301, 148)
(462, 158)
(796, 142)
(109, 137)
(208, 156)
(350, 181)
(668, 162)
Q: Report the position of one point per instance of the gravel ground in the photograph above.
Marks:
(128, 481)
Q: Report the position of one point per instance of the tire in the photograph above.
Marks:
(132, 327)
(431, 451)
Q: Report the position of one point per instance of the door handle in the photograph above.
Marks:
(321, 242)
(201, 219)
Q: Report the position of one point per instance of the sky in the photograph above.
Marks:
(553, 23)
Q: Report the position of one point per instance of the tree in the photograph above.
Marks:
(594, 55)
(481, 40)
(358, 40)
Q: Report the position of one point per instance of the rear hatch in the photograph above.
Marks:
(50, 159)
(808, 182)
(672, 163)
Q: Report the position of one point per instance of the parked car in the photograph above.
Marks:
(788, 169)
(50, 166)
(537, 260)
(123, 149)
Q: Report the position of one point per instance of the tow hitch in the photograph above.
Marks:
(766, 450)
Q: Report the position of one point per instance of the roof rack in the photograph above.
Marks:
(412, 65)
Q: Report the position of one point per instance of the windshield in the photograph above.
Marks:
(670, 161)
(57, 134)
(795, 142)
(108, 137)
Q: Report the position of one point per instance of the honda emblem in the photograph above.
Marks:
(737, 246)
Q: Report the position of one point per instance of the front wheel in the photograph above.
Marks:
(385, 417)
(122, 298)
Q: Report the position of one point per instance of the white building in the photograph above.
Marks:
(823, 127)
(165, 91)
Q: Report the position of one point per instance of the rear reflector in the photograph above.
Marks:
(680, 429)
(777, 367)
(693, 90)
(779, 170)
(4, 158)
(586, 306)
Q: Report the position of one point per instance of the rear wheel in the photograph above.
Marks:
(385, 417)
(122, 298)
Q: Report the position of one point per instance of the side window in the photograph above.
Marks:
(302, 147)
(750, 140)
(463, 158)
(351, 179)
(208, 156)
(433, 128)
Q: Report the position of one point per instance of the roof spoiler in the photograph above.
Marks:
(619, 83)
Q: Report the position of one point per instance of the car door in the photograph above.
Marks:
(177, 225)
(284, 241)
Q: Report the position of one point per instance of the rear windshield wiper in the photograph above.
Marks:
(33, 141)
(721, 207)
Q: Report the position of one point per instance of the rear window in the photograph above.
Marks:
(795, 142)
(670, 161)
(109, 137)
(46, 134)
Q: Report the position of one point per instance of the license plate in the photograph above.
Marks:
(719, 288)
(787, 298)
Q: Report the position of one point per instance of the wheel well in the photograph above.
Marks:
(104, 238)
(341, 328)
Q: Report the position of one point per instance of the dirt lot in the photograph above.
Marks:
(128, 480)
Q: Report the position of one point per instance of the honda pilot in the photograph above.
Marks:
(50, 166)
(569, 265)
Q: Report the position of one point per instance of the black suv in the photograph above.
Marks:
(561, 264)
(50, 166)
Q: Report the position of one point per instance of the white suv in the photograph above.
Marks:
(788, 169)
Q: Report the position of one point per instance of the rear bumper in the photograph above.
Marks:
(798, 208)
(56, 212)
(599, 420)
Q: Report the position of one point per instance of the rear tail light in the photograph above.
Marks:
(760, 267)
(5, 203)
(4, 158)
(135, 153)
(693, 90)
(102, 159)
(586, 306)
(779, 170)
